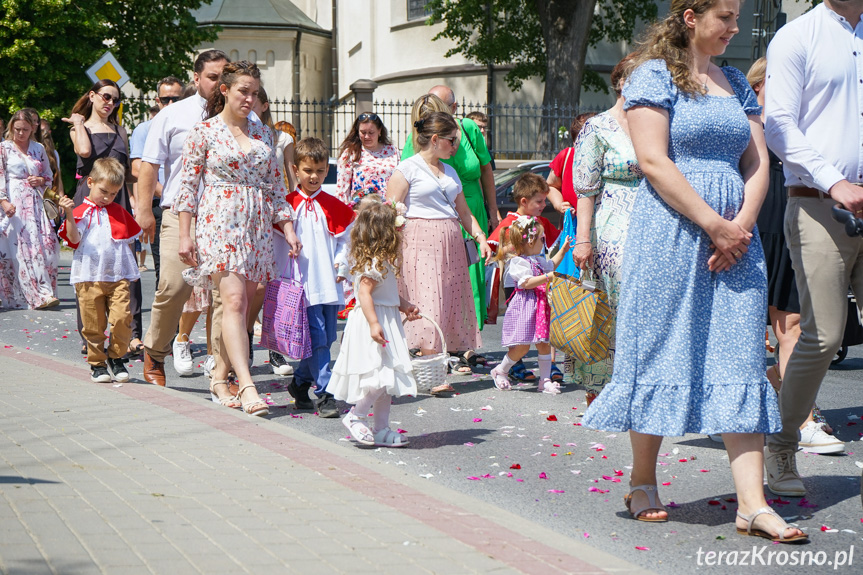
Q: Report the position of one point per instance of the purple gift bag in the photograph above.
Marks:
(285, 328)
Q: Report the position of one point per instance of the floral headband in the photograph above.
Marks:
(399, 208)
(527, 226)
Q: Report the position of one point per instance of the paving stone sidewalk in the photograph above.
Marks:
(138, 479)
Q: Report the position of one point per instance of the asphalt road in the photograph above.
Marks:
(527, 452)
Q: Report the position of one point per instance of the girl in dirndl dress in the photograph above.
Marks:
(374, 363)
(527, 316)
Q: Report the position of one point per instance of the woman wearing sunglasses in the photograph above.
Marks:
(96, 133)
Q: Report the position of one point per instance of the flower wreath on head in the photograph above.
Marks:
(527, 226)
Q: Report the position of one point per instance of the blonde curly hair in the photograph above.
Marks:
(669, 40)
(375, 240)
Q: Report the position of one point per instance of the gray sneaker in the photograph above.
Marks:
(782, 476)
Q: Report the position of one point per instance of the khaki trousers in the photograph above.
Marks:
(826, 261)
(103, 304)
(172, 293)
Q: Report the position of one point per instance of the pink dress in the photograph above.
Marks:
(369, 175)
(243, 196)
(28, 245)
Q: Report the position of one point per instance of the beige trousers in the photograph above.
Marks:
(826, 261)
(172, 292)
(103, 304)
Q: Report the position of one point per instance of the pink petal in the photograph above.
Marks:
(640, 548)
(667, 483)
(474, 478)
(556, 491)
(543, 475)
(477, 419)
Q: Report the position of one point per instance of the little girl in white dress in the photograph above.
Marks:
(374, 364)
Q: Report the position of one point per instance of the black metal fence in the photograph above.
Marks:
(516, 131)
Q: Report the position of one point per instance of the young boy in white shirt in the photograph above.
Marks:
(322, 223)
(102, 233)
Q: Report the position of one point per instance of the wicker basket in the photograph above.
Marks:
(430, 371)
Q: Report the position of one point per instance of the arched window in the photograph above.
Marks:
(253, 56)
(271, 58)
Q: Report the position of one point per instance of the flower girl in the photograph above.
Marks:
(374, 364)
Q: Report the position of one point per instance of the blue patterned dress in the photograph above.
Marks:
(690, 342)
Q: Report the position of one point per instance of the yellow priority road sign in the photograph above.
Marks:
(108, 68)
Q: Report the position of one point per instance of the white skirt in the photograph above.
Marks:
(364, 365)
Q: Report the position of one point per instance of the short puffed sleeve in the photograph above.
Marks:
(519, 270)
(743, 91)
(650, 85)
(371, 272)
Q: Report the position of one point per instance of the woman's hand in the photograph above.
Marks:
(493, 219)
(187, 251)
(76, 120)
(484, 249)
(378, 333)
(582, 254)
(730, 241)
(292, 239)
(36, 181)
(8, 208)
(564, 207)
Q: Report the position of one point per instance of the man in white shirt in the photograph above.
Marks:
(164, 147)
(168, 90)
(815, 125)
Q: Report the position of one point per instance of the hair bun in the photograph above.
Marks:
(419, 123)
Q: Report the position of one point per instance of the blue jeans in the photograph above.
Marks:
(316, 368)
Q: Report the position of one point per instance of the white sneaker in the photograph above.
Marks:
(813, 439)
(717, 437)
(183, 357)
(209, 366)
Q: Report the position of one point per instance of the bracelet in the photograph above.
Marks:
(476, 235)
(579, 243)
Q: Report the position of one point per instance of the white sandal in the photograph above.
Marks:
(548, 386)
(257, 408)
(359, 430)
(652, 504)
(231, 401)
(386, 437)
(500, 379)
(780, 538)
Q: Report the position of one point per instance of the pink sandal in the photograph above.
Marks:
(548, 386)
(501, 380)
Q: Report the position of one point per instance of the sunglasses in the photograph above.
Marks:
(451, 140)
(368, 118)
(108, 98)
(168, 99)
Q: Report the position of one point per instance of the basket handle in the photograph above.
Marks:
(437, 327)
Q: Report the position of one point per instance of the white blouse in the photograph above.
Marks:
(519, 269)
(429, 197)
(99, 257)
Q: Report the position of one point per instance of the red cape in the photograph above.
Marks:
(551, 232)
(123, 225)
(339, 215)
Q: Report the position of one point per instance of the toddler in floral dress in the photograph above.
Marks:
(527, 316)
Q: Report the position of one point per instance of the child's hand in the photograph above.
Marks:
(378, 333)
(66, 204)
(412, 312)
(567, 243)
(339, 279)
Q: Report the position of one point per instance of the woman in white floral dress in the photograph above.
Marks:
(28, 245)
(243, 196)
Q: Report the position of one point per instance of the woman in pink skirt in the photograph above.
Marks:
(434, 272)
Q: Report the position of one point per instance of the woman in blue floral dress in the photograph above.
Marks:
(690, 326)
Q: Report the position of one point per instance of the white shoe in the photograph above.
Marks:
(279, 365)
(717, 437)
(813, 439)
(209, 366)
(183, 357)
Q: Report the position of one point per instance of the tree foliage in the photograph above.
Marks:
(47, 45)
(512, 32)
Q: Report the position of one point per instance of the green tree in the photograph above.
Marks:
(544, 38)
(47, 45)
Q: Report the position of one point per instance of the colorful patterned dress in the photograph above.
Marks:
(690, 342)
(243, 196)
(604, 165)
(29, 249)
(369, 175)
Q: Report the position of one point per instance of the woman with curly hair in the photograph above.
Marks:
(690, 324)
(371, 370)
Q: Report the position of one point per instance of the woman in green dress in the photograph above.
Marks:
(470, 158)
